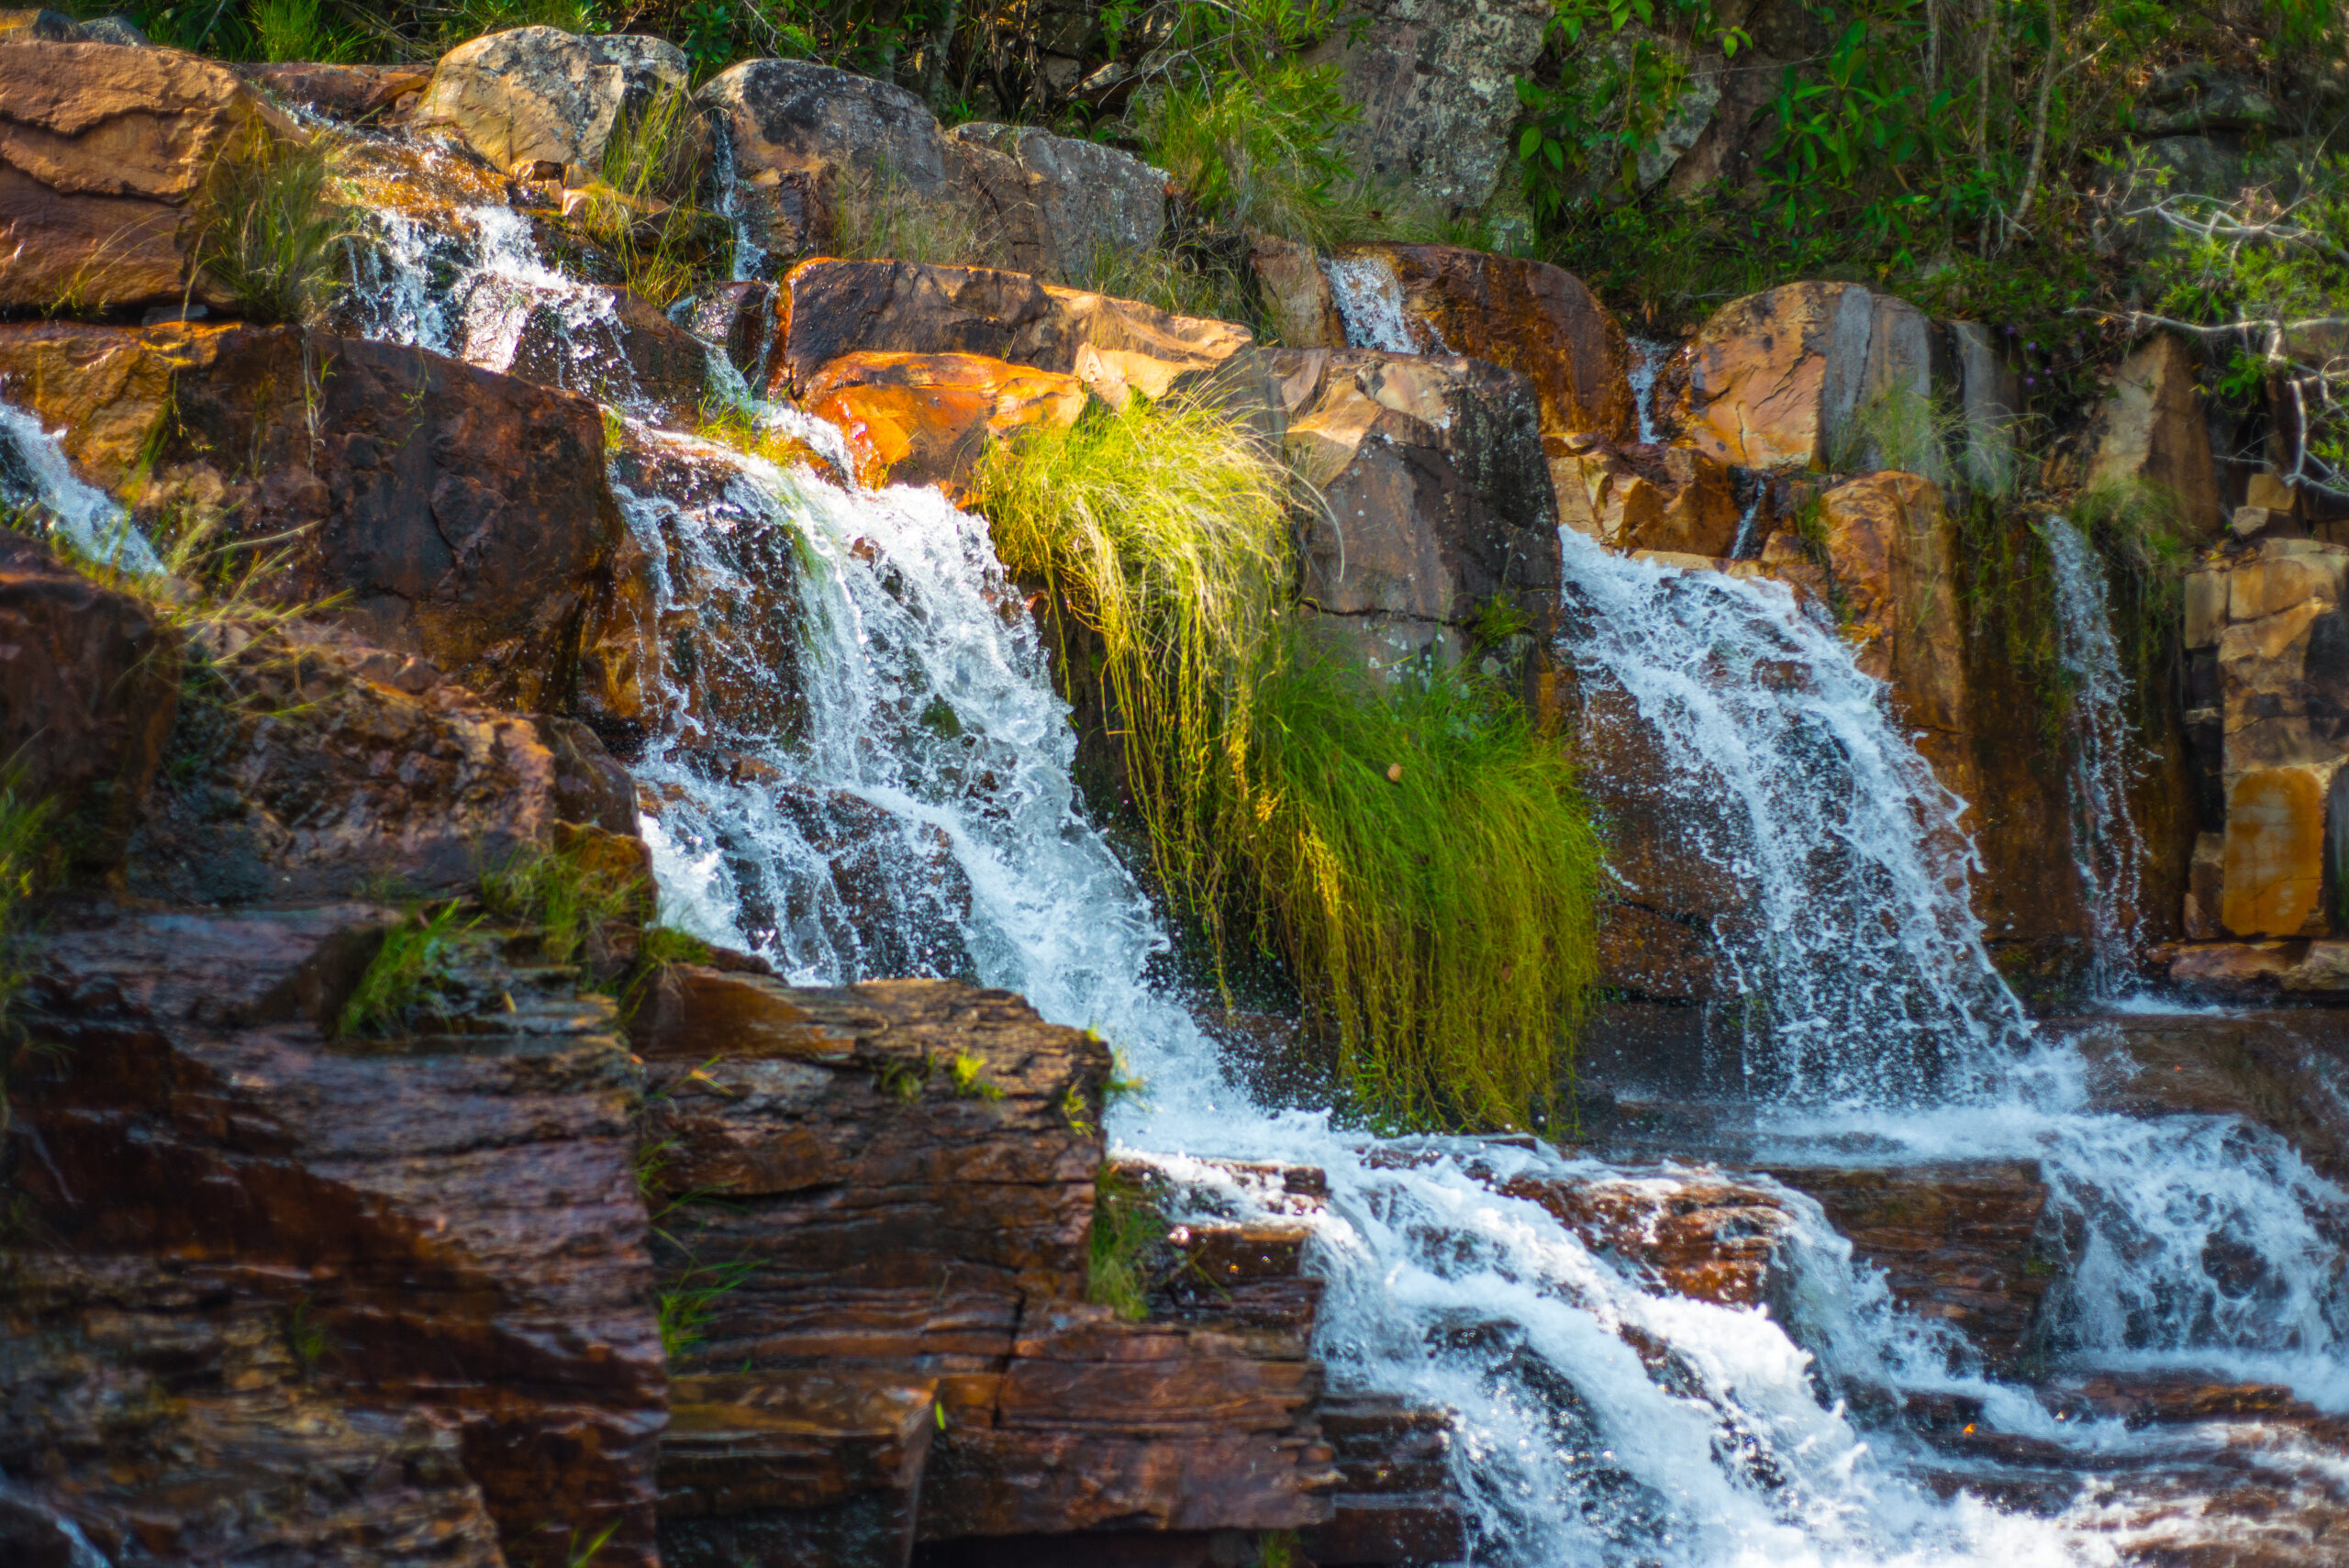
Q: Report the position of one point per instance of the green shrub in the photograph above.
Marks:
(1128, 1239)
(273, 231)
(1256, 146)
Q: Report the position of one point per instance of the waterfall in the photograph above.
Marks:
(1854, 936)
(859, 766)
(36, 476)
(2106, 849)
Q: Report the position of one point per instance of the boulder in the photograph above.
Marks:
(738, 319)
(1436, 83)
(2273, 879)
(459, 514)
(1091, 202)
(609, 344)
(826, 160)
(1300, 306)
(926, 419)
(539, 94)
(1675, 499)
(1710, 1239)
(1434, 499)
(104, 157)
(42, 26)
(329, 1248)
(89, 682)
(314, 764)
(831, 309)
(1783, 378)
(1958, 1242)
(2152, 433)
(1528, 316)
(1891, 556)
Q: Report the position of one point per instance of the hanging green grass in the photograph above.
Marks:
(1416, 853)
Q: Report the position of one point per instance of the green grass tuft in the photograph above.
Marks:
(566, 897)
(642, 210)
(274, 230)
(1127, 1232)
(409, 973)
(1440, 922)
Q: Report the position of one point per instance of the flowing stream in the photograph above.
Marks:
(860, 767)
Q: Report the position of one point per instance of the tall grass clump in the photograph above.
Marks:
(1255, 147)
(298, 30)
(1418, 854)
(1165, 529)
(641, 209)
(1423, 854)
(274, 231)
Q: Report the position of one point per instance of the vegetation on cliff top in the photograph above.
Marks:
(1414, 852)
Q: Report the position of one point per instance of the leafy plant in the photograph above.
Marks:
(409, 973)
(1255, 145)
(297, 29)
(970, 1079)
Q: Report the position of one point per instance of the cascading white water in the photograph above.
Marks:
(36, 474)
(864, 770)
(2106, 849)
(1369, 297)
(1854, 930)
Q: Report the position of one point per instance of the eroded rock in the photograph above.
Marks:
(539, 94)
(1435, 500)
(1891, 550)
(926, 419)
(104, 156)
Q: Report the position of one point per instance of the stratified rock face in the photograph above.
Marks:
(88, 686)
(1435, 499)
(1436, 81)
(883, 1195)
(461, 514)
(308, 763)
(1528, 316)
(2275, 1067)
(926, 419)
(2268, 717)
(540, 95)
(823, 158)
(315, 1241)
(1962, 1244)
(105, 151)
(2153, 433)
(1776, 379)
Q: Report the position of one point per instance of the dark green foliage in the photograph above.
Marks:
(1129, 1245)
(273, 231)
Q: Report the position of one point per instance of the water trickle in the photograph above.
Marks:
(1648, 357)
(2106, 848)
(1370, 301)
(35, 474)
